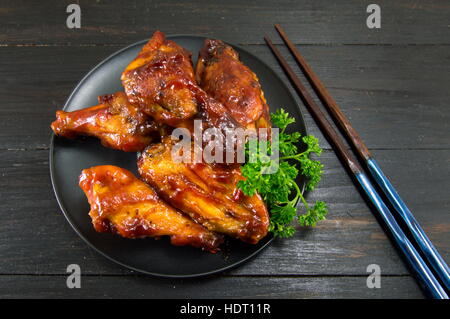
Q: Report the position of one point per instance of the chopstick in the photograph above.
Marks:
(418, 265)
(424, 243)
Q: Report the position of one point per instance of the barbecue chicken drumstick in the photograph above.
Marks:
(124, 205)
(223, 76)
(161, 81)
(116, 122)
(205, 193)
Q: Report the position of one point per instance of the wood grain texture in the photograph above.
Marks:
(323, 22)
(208, 288)
(390, 101)
(327, 100)
(392, 83)
(318, 114)
(344, 244)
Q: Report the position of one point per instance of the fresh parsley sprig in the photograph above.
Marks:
(280, 190)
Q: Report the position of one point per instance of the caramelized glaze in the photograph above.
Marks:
(116, 122)
(206, 193)
(161, 81)
(222, 75)
(124, 205)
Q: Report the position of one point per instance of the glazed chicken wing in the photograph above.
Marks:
(124, 205)
(115, 121)
(205, 193)
(161, 81)
(222, 75)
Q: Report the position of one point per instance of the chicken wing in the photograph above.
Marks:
(124, 205)
(222, 75)
(116, 122)
(205, 193)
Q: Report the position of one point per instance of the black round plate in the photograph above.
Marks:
(68, 158)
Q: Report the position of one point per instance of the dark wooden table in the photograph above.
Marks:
(393, 83)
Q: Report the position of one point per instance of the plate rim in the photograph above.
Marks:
(67, 215)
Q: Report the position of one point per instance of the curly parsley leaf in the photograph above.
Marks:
(281, 119)
(315, 214)
(279, 189)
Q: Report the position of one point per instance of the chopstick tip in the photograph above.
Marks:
(278, 28)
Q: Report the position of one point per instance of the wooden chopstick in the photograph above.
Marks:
(418, 265)
(323, 93)
(424, 243)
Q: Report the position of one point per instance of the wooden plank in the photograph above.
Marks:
(36, 239)
(123, 22)
(394, 92)
(395, 96)
(211, 287)
(390, 94)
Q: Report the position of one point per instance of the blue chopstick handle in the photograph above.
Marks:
(416, 262)
(425, 244)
